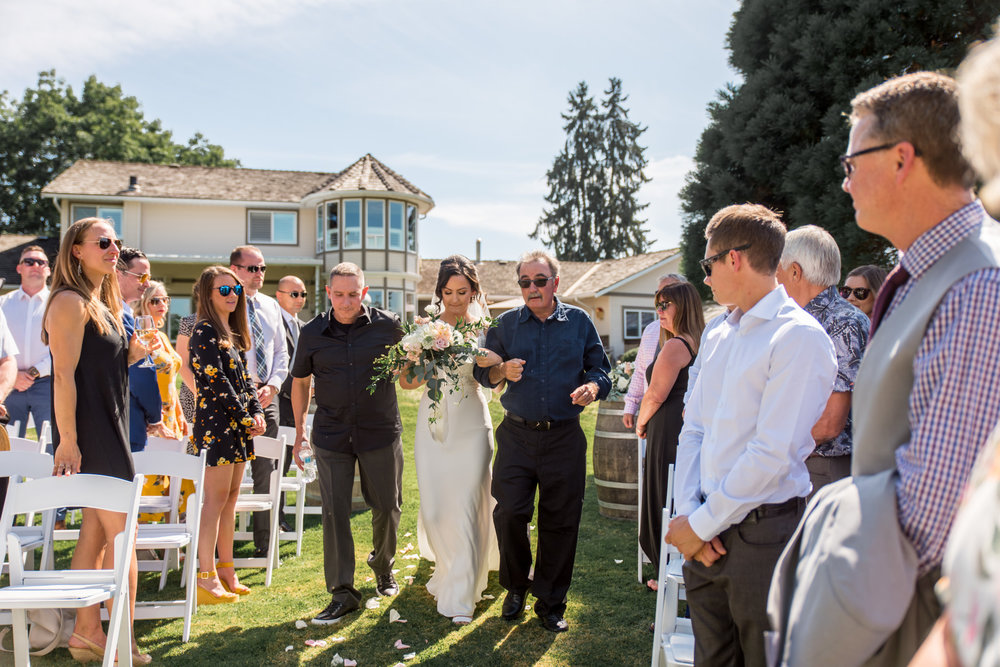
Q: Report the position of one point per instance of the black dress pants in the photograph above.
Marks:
(555, 463)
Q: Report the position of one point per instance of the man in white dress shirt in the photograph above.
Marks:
(267, 363)
(291, 296)
(24, 308)
(767, 373)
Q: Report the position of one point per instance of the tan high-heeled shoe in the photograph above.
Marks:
(206, 596)
(90, 653)
(239, 588)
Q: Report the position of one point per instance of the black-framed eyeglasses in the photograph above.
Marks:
(253, 268)
(224, 290)
(31, 261)
(706, 264)
(104, 242)
(845, 160)
(165, 300)
(295, 295)
(661, 306)
(524, 283)
(860, 293)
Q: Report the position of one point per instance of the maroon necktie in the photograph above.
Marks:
(896, 278)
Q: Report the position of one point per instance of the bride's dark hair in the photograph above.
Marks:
(457, 265)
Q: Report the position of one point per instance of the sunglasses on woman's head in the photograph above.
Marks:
(860, 293)
(104, 242)
(226, 289)
(524, 283)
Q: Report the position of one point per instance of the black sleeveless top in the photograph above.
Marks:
(101, 404)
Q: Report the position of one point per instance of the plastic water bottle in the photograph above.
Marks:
(308, 463)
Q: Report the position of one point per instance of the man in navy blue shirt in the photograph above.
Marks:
(554, 365)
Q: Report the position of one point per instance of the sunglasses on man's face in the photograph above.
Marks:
(224, 290)
(295, 295)
(143, 278)
(253, 268)
(31, 261)
(706, 264)
(165, 300)
(104, 242)
(860, 293)
(524, 283)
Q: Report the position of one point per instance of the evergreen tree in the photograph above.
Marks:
(50, 128)
(594, 180)
(774, 139)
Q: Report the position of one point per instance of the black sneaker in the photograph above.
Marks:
(334, 611)
(386, 585)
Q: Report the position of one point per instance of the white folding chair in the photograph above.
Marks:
(298, 485)
(45, 433)
(27, 445)
(673, 640)
(270, 448)
(57, 589)
(29, 465)
(160, 504)
(175, 535)
(13, 428)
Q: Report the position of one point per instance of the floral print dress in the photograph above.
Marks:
(226, 399)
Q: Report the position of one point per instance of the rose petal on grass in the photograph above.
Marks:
(408, 579)
(407, 535)
(411, 557)
(289, 648)
(336, 660)
(619, 561)
(372, 603)
(400, 645)
(350, 663)
(301, 625)
(531, 527)
(395, 571)
(411, 567)
(409, 656)
(394, 617)
(338, 639)
(489, 597)
(367, 579)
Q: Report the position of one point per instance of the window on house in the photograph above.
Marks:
(274, 227)
(333, 225)
(636, 320)
(377, 296)
(411, 228)
(319, 229)
(397, 233)
(352, 224)
(395, 303)
(375, 224)
(112, 212)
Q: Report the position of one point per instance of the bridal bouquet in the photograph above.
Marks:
(431, 351)
(620, 376)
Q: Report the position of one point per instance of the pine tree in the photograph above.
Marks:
(594, 180)
(774, 139)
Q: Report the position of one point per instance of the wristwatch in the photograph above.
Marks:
(33, 373)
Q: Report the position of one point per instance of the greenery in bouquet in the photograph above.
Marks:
(620, 376)
(431, 351)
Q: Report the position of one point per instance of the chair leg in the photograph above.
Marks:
(21, 648)
(164, 566)
(189, 595)
(300, 513)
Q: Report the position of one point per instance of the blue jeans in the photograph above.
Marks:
(36, 401)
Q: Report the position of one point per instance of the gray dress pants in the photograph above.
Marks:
(382, 486)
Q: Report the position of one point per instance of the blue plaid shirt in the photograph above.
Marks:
(848, 328)
(954, 404)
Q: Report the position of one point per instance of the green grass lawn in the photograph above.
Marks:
(608, 611)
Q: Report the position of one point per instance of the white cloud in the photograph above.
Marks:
(509, 217)
(82, 35)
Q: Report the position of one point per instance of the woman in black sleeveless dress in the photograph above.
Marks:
(661, 413)
(90, 358)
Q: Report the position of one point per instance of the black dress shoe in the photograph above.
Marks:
(554, 623)
(259, 552)
(386, 585)
(334, 611)
(285, 526)
(513, 605)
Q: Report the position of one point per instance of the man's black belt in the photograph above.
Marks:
(541, 425)
(775, 509)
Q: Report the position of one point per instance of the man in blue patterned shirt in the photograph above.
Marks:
(810, 270)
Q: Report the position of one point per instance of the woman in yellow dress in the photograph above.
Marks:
(156, 303)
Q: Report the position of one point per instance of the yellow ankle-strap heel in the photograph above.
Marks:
(239, 589)
(206, 596)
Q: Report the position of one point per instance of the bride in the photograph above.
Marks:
(453, 456)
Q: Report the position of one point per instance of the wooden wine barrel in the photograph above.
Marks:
(616, 470)
(313, 496)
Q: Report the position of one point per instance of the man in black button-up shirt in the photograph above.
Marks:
(337, 349)
(554, 364)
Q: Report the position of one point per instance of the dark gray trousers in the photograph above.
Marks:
(825, 470)
(382, 486)
(728, 601)
(260, 469)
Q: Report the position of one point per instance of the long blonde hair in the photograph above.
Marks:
(239, 328)
(142, 308)
(68, 275)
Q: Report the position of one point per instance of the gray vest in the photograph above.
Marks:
(880, 404)
(849, 571)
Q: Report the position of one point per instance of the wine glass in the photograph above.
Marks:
(146, 329)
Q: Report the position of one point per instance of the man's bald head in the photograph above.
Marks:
(291, 294)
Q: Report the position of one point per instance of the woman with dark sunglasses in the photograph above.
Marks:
(227, 416)
(862, 285)
(91, 354)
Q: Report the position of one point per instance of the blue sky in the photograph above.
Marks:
(463, 98)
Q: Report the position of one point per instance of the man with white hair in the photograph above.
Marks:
(810, 271)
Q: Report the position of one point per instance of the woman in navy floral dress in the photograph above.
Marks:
(227, 416)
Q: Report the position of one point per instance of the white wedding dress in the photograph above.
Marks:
(455, 524)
